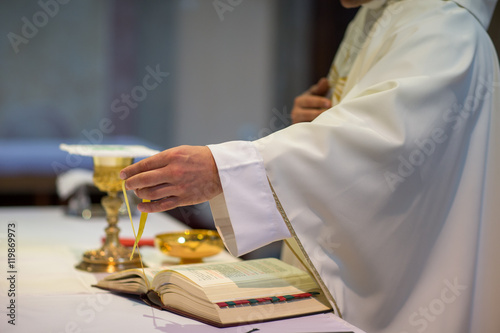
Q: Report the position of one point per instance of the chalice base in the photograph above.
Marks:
(109, 260)
(185, 261)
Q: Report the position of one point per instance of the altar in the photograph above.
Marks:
(43, 292)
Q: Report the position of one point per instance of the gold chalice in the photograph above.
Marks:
(191, 246)
(112, 256)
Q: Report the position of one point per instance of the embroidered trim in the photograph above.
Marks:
(314, 272)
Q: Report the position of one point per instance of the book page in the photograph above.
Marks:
(129, 281)
(134, 272)
(235, 272)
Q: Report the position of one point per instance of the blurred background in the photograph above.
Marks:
(158, 73)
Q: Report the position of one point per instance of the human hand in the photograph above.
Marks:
(180, 176)
(312, 103)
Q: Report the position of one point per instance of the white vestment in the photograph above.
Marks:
(394, 191)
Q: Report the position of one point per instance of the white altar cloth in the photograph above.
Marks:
(50, 295)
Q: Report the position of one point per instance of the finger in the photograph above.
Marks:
(311, 101)
(148, 179)
(156, 192)
(320, 88)
(154, 162)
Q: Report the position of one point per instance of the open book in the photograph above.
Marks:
(225, 294)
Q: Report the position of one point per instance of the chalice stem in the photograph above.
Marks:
(111, 204)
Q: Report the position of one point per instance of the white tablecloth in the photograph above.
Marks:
(50, 295)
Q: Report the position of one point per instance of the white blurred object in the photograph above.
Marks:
(73, 186)
(69, 182)
(109, 150)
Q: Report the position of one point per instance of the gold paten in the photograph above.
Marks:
(191, 246)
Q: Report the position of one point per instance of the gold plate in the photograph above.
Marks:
(191, 246)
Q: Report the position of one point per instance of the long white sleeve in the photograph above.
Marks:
(245, 213)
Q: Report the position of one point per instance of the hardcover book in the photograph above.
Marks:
(225, 294)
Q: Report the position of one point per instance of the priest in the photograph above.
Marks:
(392, 191)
